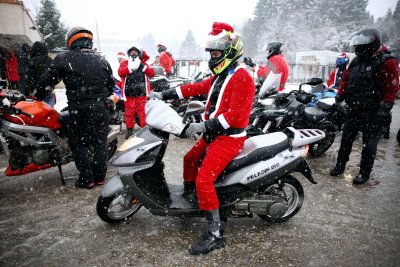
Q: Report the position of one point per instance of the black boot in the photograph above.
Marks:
(210, 240)
(361, 178)
(338, 169)
(189, 193)
(129, 133)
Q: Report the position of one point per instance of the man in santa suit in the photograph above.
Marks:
(166, 59)
(336, 75)
(135, 74)
(275, 74)
(230, 96)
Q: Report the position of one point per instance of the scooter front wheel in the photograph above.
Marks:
(117, 208)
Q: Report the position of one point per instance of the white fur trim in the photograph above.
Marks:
(242, 134)
(223, 121)
(144, 68)
(179, 92)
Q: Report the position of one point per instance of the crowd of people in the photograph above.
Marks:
(368, 84)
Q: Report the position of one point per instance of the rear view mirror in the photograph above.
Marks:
(194, 108)
(314, 81)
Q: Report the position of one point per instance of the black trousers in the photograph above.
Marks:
(88, 128)
(365, 121)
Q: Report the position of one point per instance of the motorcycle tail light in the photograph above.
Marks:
(304, 151)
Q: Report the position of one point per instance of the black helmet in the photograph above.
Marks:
(79, 37)
(366, 42)
(273, 48)
(134, 48)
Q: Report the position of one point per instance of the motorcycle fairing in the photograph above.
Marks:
(31, 167)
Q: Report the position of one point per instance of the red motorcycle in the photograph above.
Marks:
(34, 136)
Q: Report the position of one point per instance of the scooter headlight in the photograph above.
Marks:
(131, 142)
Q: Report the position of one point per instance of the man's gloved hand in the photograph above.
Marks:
(134, 64)
(339, 98)
(195, 128)
(156, 95)
(249, 62)
(384, 110)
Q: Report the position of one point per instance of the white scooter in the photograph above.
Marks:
(257, 181)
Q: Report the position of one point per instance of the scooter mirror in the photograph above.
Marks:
(194, 108)
(314, 81)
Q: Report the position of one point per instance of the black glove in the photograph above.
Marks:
(249, 62)
(384, 110)
(339, 98)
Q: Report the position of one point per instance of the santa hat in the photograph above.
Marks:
(343, 55)
(220, 30)
(121, 55)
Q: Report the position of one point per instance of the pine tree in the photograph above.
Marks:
(50, 25)
(189, 48)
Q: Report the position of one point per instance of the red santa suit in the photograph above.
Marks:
(166, 60)
(229, 102)
(279, 74)
(136, 96)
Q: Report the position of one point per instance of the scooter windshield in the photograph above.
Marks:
(162, 117)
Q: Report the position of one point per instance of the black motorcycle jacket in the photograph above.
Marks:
(135, 83)
(38, 64)
(87, 76)
(364, 88)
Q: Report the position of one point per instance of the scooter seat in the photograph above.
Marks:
(258, 148)
(314, 114)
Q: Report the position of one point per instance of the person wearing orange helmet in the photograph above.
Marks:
(230, 96)
(89, 81)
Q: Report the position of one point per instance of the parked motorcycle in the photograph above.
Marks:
(278, 111)
(34, 135)
(257, 181)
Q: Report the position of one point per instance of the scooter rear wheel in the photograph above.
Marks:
(117, 208)
(290, 189)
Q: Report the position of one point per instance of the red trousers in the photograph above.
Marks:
(135, 106)
(219, 153)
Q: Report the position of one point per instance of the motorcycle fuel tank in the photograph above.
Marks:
(43, 115)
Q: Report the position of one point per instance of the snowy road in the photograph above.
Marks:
(45, 224)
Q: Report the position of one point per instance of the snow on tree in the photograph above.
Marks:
(49, 24)
(189, 48)
(303, 25)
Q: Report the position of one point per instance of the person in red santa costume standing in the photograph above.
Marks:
(275, 74)
(135, 74)
(166, 59)
(230, 94)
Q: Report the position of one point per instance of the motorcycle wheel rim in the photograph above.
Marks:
(290, 193)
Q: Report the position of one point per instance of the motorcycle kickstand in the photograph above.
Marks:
(61, 173)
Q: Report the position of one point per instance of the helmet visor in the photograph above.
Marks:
(220, 44)
(361, 39)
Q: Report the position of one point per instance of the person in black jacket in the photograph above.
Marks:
(89, 81)
(38, 63)
(23, 61)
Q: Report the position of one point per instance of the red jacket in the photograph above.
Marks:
(388, 76)
(278, 65)
(167, 62)
(234, 100)
(12, 73)
(124, 71)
